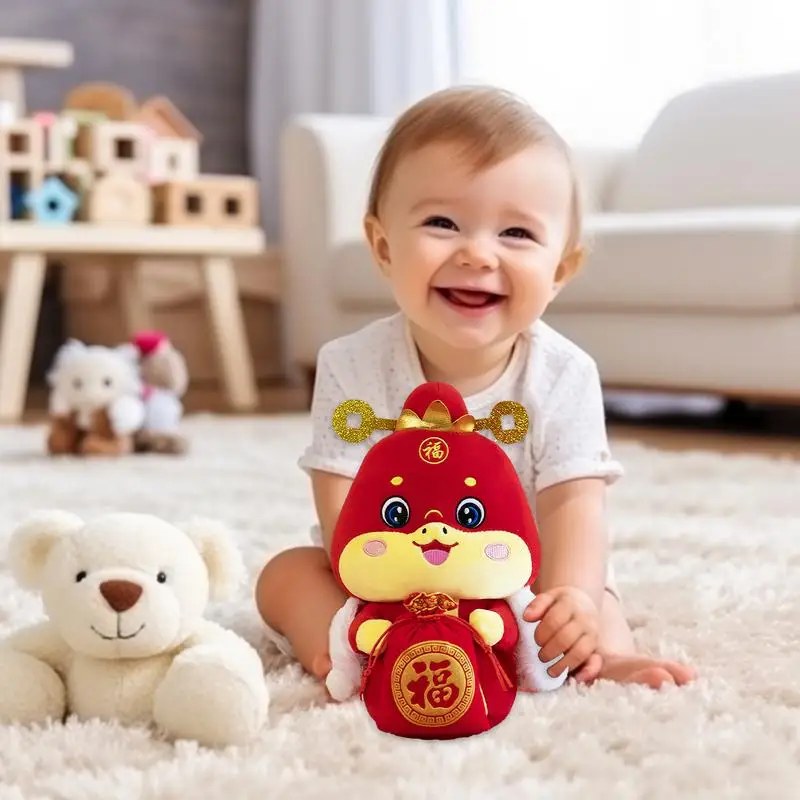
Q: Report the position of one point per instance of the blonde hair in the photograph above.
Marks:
(489, 123)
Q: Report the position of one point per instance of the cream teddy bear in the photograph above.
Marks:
(125, 638)
(96, 403)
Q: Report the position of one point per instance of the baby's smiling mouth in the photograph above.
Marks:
(435, 553)
(470, 298)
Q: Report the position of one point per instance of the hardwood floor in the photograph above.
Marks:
(771, 431)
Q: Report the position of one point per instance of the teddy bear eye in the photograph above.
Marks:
(161, 577)
(107, 381)
(80, 576)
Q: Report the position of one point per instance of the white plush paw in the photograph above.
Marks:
(163, 412)
(213, 696)
(30, 691)
(126, 415)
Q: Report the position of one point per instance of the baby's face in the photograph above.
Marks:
(473, 256)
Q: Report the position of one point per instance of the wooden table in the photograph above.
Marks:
(30, 245)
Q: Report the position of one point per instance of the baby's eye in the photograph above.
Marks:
(441, 222)
(518, 233)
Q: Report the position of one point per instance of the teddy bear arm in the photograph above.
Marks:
(214, 691)
(43, 642)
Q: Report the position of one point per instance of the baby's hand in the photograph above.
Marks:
(569, 623)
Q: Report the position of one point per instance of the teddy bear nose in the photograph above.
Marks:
(120, 595)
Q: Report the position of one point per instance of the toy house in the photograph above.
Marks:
(175, 148)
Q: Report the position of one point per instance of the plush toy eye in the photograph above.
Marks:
(161, 577)
(470, 512)
(107, 382)
(81, 575)
(395, 512)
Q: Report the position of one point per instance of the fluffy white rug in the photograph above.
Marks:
(708, 557)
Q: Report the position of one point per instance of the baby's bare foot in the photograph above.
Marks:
(653, 672)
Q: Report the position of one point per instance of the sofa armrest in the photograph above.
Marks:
(326, 165)
(599, 169)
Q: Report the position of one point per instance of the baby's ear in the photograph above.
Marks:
(33, 541)
(223, 560)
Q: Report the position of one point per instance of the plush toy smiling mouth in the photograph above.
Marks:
(436, 553)
(119, 635)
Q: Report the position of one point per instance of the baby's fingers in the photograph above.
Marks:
(562, 641)
(556, 617)
(575, 656)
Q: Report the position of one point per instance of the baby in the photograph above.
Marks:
(474, 219)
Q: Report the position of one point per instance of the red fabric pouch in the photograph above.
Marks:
(432, 676)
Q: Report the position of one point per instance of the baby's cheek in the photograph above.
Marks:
(374, 547)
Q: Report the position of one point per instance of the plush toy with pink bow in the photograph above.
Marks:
(165, 378)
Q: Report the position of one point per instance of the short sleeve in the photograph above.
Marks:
(327, 452)
(572, 440)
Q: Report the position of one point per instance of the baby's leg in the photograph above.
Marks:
(620, 660)
(298, 596)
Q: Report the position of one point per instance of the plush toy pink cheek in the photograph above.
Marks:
(375, 547)
(496, 552)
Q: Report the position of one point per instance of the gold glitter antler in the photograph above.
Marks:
(436, 418)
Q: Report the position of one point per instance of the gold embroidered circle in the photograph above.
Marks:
(433, 683)
(434, 450)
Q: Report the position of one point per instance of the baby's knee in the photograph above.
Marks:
(285, 574)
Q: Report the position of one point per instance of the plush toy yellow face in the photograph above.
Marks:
(435, 513)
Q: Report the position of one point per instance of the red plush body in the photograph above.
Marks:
(442, 679)
(435, 532)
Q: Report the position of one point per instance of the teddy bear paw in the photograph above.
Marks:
(30, 691)
(212, 696)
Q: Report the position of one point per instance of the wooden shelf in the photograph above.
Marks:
(160, 240)
(35, 53)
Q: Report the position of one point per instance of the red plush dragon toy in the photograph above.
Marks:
(437, 547)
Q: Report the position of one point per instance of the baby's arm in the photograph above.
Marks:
(573, 536)
(330, 492)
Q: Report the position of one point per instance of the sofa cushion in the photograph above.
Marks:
(708, 260)
(723, 144)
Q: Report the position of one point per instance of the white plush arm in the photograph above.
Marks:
(326, 165)
(126, 415)
(41, 641)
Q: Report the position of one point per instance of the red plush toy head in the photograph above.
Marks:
(436, 506)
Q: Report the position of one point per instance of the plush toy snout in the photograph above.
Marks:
(120, 595)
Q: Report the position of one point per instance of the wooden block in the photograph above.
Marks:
(15, 184)
(59, 142)
(21, 145)
(114, 147)
(174, 159)
(115, 102)
(221, 201)
(118, 199)
(52, 202)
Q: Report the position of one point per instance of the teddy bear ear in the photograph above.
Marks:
(222, 558)
(33, 540)
(65, 353)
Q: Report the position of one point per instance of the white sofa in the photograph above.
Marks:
(693, 279)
